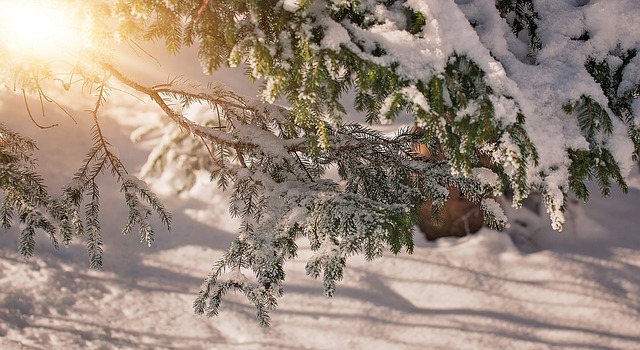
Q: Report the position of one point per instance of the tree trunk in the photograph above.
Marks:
(460, 217)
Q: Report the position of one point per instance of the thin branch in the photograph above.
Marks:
(240, 157)
(204, 96)
(208, 149)
(224, 138)
(203, 6)
(129, 42)
(155, 87)
(26, 104)
(177, 118)
(51, 100)
(65, 111)
(116, 165)
(219, 117)
(303, 166)
(128, 93)
(41, 101)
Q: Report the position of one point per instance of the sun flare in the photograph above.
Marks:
(38, 29)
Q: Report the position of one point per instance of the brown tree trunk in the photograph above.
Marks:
(460, 217)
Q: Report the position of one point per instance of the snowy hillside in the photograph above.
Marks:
(579, 289)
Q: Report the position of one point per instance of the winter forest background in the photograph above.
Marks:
(525, 287)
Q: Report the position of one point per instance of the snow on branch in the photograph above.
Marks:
(527, 95)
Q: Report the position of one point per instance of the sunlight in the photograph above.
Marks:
(38, 29)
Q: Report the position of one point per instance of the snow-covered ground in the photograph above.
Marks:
(579, 289)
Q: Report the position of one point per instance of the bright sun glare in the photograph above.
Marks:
(37, 29)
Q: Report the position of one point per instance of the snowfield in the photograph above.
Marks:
(578, 289)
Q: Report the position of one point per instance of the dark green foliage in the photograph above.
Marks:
(24, 194)
(596, 163)
(415, 21)
(384, 187)
(383, 184)
(522, 16)
(84, 185)
(273, 159)
(596, 124)
(94, 239)
(610, 79)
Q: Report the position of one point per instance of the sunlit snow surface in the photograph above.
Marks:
(578, 289)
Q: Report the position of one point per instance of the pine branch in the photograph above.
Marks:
(25, 195)
(469, 100)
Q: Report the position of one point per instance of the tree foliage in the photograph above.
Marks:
(505, 93)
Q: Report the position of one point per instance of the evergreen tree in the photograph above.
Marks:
(534, 95)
